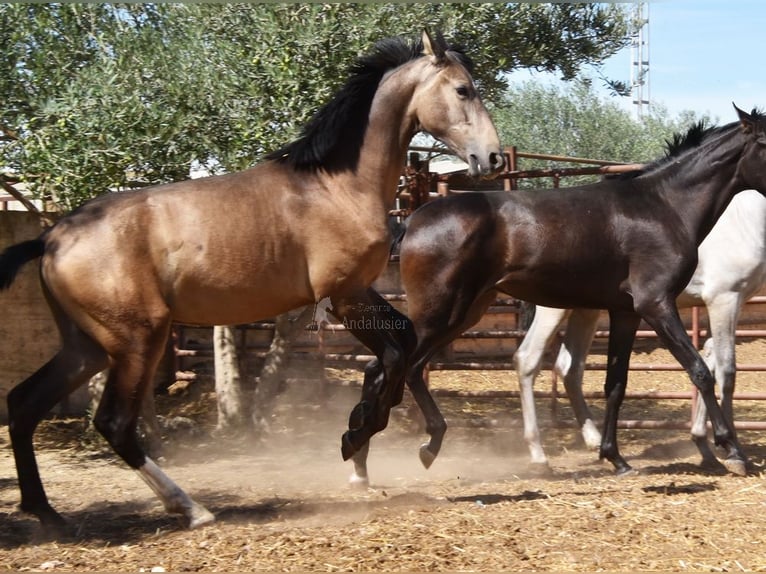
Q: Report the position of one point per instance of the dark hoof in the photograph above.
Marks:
(54, 527)
(736, 466)
(426, 456)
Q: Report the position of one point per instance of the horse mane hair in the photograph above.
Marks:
(333, 138)
(694, 136)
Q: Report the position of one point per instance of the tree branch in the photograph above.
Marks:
(8, 133)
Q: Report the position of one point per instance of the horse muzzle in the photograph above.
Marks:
(490, 163)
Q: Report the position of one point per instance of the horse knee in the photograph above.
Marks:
(436, 427)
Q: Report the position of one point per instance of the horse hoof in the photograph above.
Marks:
(199, 516)
(54, 527)
(358, 482)
(626, 471)
(426, 456)
(735, 466)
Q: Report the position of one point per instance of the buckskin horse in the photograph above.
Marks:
(307, 223)
(627, 245)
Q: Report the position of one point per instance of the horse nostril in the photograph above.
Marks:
(496, 160)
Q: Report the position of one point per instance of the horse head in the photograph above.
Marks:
(449, 108)
(752, 164)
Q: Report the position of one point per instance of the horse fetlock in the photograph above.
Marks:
(709, 459)
(537, 454)
(590, 434)
(359, 480)
(621, 467)
(349, 446)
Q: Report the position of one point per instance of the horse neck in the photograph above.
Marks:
(389, 132)
(703, 182)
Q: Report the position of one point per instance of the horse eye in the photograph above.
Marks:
(463, 91)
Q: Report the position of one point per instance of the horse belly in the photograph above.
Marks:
(229, 303)
(566, 292)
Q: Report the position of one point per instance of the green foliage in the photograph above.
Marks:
(570, 119)
(109, 96)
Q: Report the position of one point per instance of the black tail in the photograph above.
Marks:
(15, 256)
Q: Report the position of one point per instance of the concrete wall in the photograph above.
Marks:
(28, 334)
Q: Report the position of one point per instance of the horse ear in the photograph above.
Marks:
(745, 120)
(435, 47)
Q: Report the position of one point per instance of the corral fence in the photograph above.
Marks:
(498, 336)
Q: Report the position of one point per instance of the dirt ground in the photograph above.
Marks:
(283, 503)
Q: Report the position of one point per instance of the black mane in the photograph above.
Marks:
(333, 138)
(678, 144)
(694, 136)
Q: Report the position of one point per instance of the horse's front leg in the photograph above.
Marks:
(389, 335)
(665, 321)
(622, 333)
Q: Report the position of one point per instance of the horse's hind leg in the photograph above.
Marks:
(439, 318)
(433, 332)
(622, 333)
(528, 359)
(570, 365)
(720, 357)
(79, 359)
(116, 418)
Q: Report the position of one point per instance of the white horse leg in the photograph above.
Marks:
(570, 365)
(528, 359)
(720, 355)
(173, 497)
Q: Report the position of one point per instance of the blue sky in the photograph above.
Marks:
(703, 54)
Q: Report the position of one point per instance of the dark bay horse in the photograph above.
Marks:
(731, 269)
(627, 245)
(308, 223)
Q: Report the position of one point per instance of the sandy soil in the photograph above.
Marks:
(283, 503)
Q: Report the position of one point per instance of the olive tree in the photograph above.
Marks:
(106, 97)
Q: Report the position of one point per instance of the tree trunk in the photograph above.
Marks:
(228, 388)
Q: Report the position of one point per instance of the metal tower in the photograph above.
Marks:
(639, 69)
